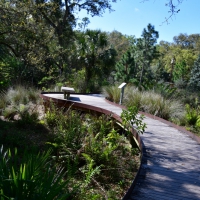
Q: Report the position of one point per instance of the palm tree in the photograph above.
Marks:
(95, 56)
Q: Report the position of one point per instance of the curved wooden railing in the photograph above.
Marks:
(97, 110)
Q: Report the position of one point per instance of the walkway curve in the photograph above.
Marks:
(170, 168)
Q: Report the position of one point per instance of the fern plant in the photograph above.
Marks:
(191, 115)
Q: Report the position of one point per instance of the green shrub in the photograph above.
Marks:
(27, 117)
(167, 91)
(130, 118)
(197, 124)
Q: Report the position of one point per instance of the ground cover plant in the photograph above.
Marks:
(93, 145)
(84, 156)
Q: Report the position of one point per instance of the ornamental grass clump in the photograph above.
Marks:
(21, 95)
(132, 97)
(154, 103)
(112, 93)
(14, 99)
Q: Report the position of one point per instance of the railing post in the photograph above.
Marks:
(122, 86)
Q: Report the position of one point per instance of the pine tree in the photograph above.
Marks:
(145, 50)
(126, 68)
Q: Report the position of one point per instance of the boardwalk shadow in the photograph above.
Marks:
(74, 99)
(168, 174)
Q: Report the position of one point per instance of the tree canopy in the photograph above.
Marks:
(40, 45)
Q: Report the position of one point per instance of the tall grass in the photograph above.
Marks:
(12, 100)
(22, 95)
(2, 101)
(112, 93)
(133, 97)
(154, 103)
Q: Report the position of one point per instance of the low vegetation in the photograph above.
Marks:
(64, 154)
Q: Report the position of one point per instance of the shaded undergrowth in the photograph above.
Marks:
(85, 156)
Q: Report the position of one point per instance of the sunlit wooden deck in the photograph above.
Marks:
(171, 162)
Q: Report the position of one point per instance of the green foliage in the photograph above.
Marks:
(195, 75)
(20, 101)
(27, 116)
(93, 146)
(46, 81)
(180, 71)
(52, 115)
(131, 118)
(145, 52)
(4, 73)
(9, 113)
(21, 95)
(134, 65)
(184, 51)
(95, 57)
(32, 177)
(89, 169)
(77, 80)
(126, 68)
(192, 115)
(166, 90)
(132, 97)
(119, 42)
(3, 101)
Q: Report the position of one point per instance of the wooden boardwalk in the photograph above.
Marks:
(171, 163)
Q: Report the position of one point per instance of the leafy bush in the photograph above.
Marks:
(97, 158)
(168, 91)
(130, 118)
(3, 101)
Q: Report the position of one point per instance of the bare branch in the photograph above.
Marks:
(173, 6)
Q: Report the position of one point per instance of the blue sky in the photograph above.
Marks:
(132, 16)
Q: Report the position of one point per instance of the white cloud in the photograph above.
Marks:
(137, 10)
